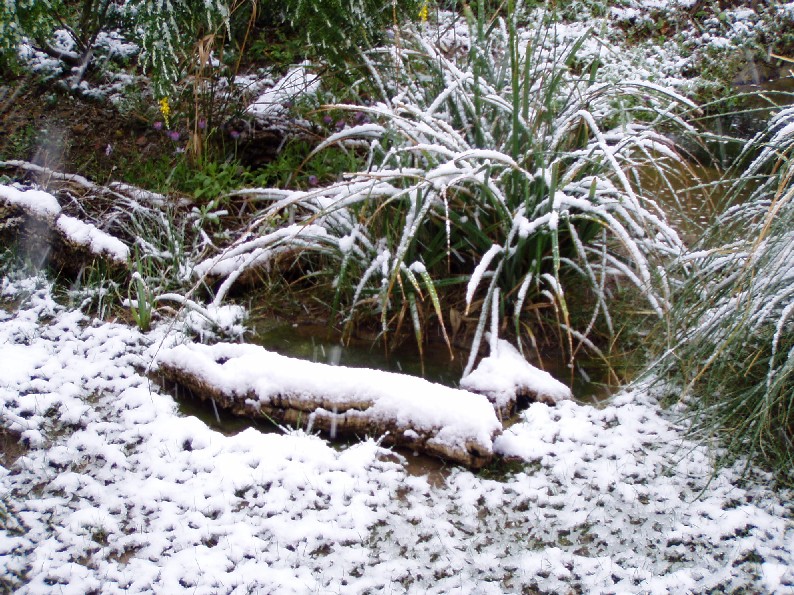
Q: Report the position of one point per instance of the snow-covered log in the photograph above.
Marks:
(33, 220)
(506, 378)
(454, 424)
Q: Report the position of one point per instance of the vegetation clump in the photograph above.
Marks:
(504, 182)
(734, 318)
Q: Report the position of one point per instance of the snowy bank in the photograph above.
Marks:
(454, 424)
(117, 492)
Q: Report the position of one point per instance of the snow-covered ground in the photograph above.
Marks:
(117, 491)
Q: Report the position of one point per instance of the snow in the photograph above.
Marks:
(505, 374)
(119, 491)
(296, 84)
(257, 251)
(39, 202)
(208, 322)
(44, 204)
(456, 418)
(96, 240)
(479, 271)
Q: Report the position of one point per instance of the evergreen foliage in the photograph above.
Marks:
(169, 30)
(166, 29)
(340, 28)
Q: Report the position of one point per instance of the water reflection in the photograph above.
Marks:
(318, 343)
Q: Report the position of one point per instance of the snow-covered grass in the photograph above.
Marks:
(117, 491)
(734, 347)
(500, 177)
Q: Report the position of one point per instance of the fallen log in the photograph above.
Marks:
(32, 220)
(453, 424)
(510, 381)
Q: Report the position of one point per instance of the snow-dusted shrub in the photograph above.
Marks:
(70, 29)
(505, 170)
(80, 22)
(735, 319)
(338, 29)
(170, 32)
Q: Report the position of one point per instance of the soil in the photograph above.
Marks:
(11, 447)
(45, 125)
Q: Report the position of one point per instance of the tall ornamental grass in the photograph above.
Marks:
(735, 317)
(505, 186)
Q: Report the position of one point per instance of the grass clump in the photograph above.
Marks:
(504, 183)
(735, 318)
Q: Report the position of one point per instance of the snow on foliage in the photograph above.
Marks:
(74, 231)
(96, 240)
(296, 85)
(735, 323)
(42, 203)
(509, 182)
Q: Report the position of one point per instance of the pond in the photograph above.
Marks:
(318, 343)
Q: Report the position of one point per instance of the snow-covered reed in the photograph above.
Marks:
(735, 349)
(503, 172)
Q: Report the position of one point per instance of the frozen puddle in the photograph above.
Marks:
(118, 493)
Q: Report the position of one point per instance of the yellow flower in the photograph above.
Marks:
(165, 109)
(423, 12)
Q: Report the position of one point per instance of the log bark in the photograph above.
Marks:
(356, 414)
(40, 239)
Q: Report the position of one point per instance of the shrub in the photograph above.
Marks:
(171, 32)
(339, 29)
(68, 30)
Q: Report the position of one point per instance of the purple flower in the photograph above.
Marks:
(360, 117)
(157, 125)
(313, 180)
(341, 124)
(235, 134)
(202, 124)
(173, 135)
(327, 120)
